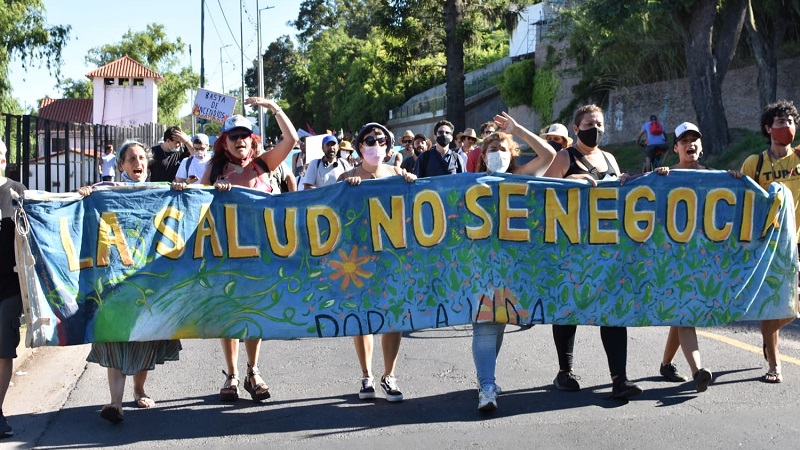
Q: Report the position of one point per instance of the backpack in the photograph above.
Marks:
(656, 128)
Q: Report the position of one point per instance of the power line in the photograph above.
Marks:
(229, 25)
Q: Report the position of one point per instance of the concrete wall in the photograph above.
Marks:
(629, 108)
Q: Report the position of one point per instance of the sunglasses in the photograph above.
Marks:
(406, 141)
(240, 134)
(488, 132)
(444, 133)
(371, 140)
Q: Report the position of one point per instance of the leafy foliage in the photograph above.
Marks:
(76, 88)
(516, 83)
(358, 59)
(27, 36)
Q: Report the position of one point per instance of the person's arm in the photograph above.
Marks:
(310, 175)
(559, 166)
(290, 138)
(291, 182)
(545, 152)
(398, 159)
(639, 138)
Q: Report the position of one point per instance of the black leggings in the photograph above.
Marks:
(615, 343)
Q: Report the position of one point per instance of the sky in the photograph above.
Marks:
(99, 22)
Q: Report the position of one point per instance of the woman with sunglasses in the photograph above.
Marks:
(235, 163)
(123, 359)
(500, 152)
(371, 144)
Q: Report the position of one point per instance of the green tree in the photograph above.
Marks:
(767, 24)
(28, 37)
(426, 25)
(156, 52)
(76, 88)
(708, 32)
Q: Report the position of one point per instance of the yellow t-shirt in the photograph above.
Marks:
(785, 170)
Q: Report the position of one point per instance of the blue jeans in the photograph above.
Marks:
(487, 338)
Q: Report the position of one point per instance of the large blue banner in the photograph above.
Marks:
(139, 263)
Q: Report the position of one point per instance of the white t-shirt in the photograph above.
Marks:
(109, 161)
(196, 167)
(319, 175)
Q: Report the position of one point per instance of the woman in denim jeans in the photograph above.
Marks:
(499, 153)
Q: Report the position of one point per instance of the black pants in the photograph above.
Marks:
(615, 343)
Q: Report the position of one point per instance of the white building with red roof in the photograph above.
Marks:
(125, 93)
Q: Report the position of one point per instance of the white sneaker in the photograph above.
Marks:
(487, 399)
(367, 389)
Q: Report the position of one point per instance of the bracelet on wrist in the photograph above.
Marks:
(277, 110)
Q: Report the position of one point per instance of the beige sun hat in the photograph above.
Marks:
(557, 129)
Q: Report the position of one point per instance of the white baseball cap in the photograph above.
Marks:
(684, 128)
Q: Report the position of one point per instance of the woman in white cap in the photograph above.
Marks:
(235, 164)
(557, 136)
(689, 149)
(371, 144)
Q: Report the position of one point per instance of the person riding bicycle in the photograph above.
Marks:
(656, 143)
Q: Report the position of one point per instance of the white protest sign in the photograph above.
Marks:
(213, 106)
(314, 147)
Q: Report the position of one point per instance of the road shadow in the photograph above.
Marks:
(205, 417)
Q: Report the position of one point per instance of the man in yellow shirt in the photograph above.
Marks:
(778, 163)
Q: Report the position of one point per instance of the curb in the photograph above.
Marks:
(23, 352)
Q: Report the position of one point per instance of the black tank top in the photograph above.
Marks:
(575, 169)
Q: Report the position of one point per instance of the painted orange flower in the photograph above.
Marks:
(349, 268)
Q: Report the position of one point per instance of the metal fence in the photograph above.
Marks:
(59, 156)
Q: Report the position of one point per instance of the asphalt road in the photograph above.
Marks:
(56, 398)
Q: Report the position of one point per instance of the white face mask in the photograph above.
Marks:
(498, 161)
(200, 154)
(373, 155)
(344, 154)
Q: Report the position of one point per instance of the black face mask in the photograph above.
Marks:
(444, 140)
(556, 145)
(590, 137)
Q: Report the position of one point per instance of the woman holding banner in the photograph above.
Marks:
(371, 145)
(587, 161)
(499, 154)
(689, 148)
(129, 358)
(236, 163)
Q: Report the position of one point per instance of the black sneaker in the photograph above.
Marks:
(567, 381)
(389, 385)
(623, 388)
(670, 372)
(5, 428)
(701, 380)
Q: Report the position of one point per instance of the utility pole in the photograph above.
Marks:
(241, 47)
(261, 118)
(222, 69)
(202, 46)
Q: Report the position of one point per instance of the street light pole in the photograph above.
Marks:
(261, 118)
(222, 69)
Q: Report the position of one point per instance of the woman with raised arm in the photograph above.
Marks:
(236, 163)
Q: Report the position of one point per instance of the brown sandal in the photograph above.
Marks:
(229, 392)
(773, 377)
(253, 390)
